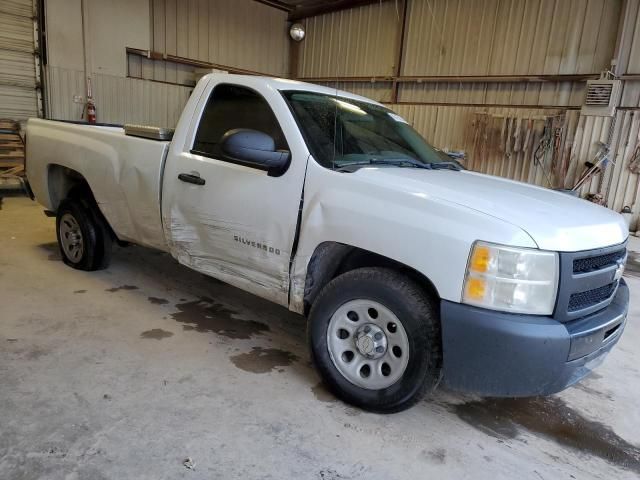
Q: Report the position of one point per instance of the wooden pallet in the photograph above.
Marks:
(11, 146)
(13, 171)
(8, 124)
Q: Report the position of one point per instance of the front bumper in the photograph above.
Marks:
(510, 355)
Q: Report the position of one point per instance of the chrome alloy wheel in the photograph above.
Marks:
(71, 238)
(368, 344)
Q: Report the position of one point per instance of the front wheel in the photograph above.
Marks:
(375, 339)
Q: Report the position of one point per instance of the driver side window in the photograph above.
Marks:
(230, 107)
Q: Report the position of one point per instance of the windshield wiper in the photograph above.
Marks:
(446, 165)
(389, 161)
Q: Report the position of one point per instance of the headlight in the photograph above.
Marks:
(516, 280)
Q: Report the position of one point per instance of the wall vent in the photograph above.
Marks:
(601, 98)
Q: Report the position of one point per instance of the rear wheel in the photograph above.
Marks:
(375, 338)
(83, 237)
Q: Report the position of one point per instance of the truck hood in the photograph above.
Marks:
(555, 221)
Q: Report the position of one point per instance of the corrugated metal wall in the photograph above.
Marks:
(238, 33)
(631, 94)
(118, 99)
(18, 66)
(464, 37)
(634, 52)
(621, 181)
(355, 42)
(518, 37)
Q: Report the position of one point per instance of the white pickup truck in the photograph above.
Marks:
(409, 269)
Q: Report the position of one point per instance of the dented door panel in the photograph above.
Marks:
(240, 225)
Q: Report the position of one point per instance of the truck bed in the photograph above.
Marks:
(124, 173)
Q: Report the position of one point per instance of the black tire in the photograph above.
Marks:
(96, 235)
(419, 316)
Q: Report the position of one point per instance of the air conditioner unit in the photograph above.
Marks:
(601, 98)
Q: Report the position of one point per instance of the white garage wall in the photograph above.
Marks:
(109, 27)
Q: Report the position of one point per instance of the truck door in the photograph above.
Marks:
(232, 221)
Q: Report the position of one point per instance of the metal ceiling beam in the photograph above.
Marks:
(328, 7)
(150, 54)
(459, 79)
(277, 4)
(400, 34)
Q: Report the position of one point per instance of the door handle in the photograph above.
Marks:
(191, 178)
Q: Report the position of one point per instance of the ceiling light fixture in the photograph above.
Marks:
(297, 32)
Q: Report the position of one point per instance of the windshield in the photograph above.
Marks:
(343, 132)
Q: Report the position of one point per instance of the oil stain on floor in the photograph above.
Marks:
(551, 418)
(156, 334)
(158, 301)
(121, 287)
(263, 360)
(53, 249)
(206, 315)
(322, 394)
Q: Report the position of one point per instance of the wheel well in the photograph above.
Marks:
(64, 182)
(331, 259)
(67, 183)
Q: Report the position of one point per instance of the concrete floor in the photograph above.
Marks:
(126, 372)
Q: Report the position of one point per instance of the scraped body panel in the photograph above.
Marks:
(123, 172)
(240, 225)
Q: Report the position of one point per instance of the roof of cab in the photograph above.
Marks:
(287, 84)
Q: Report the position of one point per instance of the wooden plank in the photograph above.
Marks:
(18, 170)
(10, 125)
(11, 163)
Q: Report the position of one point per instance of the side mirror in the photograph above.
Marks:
(254, 149)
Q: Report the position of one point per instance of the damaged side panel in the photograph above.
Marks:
(239, 223)
(123, 172)
(252, 265)
(425, 233)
